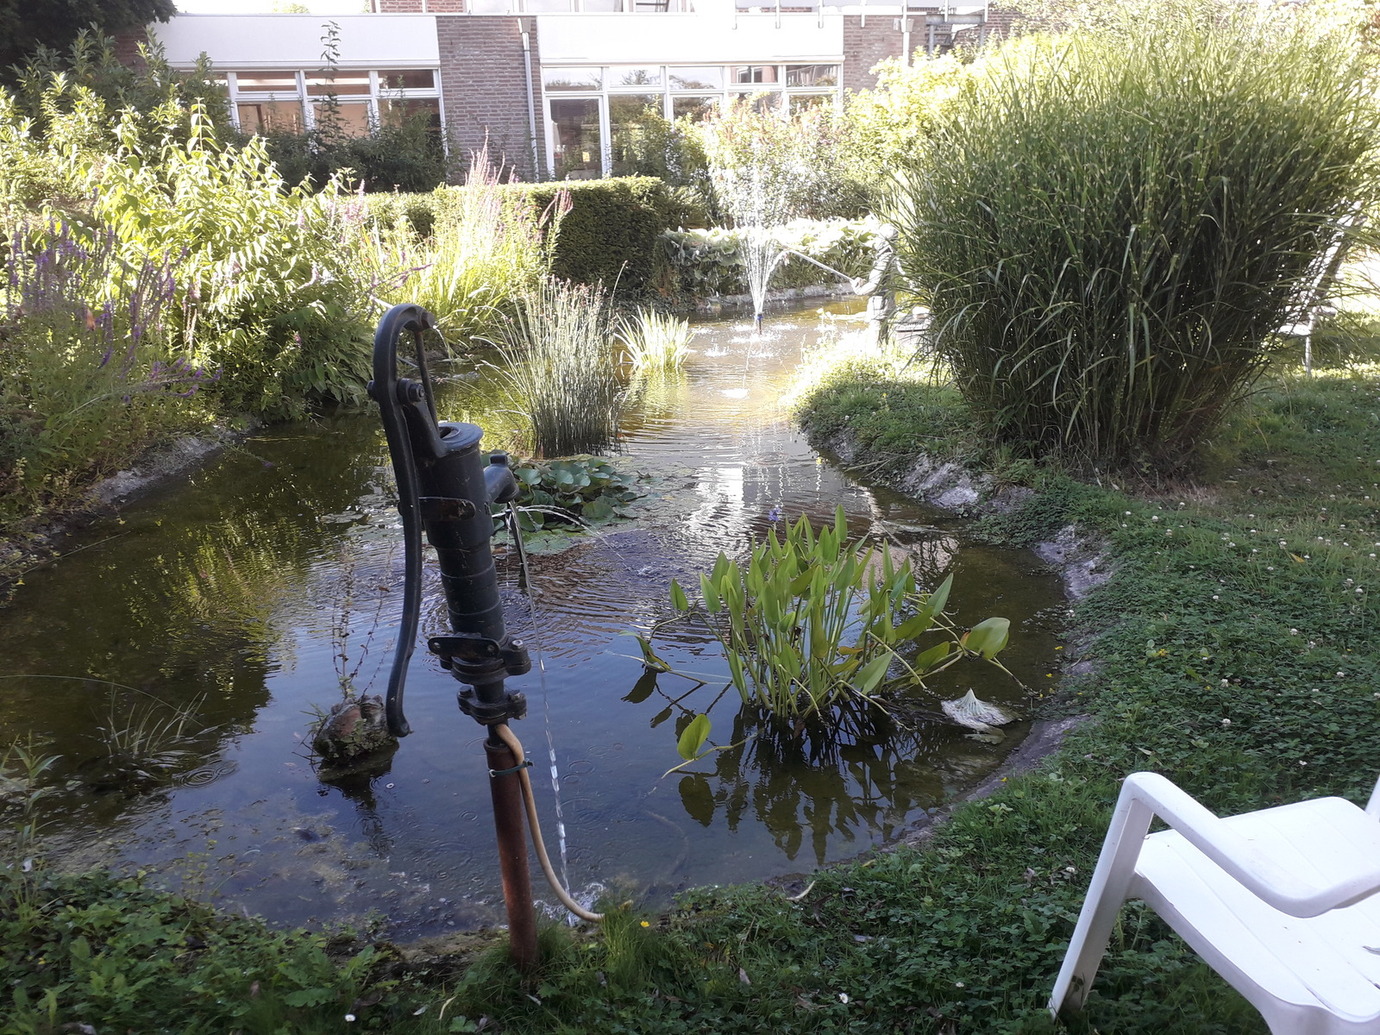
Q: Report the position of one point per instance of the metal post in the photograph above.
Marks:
(506, 791)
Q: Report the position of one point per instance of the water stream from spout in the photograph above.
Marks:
(515, 529)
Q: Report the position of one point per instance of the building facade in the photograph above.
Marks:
(553, 87)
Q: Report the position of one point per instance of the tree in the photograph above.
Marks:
(26, 25)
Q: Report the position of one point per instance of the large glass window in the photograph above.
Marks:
(350, 117)
(697, 109)
(630, 120)
(601, 118)
(578, 154)
(270, 116)
(625, 76)
(281, 100)
(407, 79)
(812, 75)
(753, 74)
(267, 82)
(558, 78)
(338, 84)
(696, 77)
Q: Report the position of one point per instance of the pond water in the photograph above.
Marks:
(173, 658)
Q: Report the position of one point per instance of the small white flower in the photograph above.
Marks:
(1226, 722)
(1293, 632)
(843, 997)
(1216, 597)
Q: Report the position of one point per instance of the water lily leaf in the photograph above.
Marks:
(597, 510)
(696, 732)
(988, 637)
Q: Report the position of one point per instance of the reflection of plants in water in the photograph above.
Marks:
(558, 361)
(810, 623)
(343, 621)
(844, 775)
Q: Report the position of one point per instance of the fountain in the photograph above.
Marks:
(756, 204)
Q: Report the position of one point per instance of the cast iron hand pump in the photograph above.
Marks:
(445, 488)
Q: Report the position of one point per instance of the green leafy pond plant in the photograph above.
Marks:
(577, 490)
(812, 624)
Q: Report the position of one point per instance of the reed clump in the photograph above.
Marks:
(561, 370)
(655, 341)
(1110, 228)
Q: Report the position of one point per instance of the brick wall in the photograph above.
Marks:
(867, 40)
(127, 47)
(419, 6)
(484, 90)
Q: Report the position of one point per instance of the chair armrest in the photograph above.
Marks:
(1244, 859)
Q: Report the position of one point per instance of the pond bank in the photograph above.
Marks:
(41, 541)
(1241, 668)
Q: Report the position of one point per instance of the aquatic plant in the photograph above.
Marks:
(810, 622)
(487, 249)
(579, 490)
(655, 340)
(559, 365)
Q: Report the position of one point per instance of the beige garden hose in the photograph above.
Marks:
(534, 825)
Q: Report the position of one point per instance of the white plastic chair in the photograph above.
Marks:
(1278, 902)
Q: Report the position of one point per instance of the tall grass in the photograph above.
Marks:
(560, 366)
(483, 255)
(655, 341)
(1110, 229)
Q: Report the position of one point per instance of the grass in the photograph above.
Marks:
(560, 367)
(655, 341)
(1108, 229)
(1232, 651)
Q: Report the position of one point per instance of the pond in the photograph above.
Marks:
(174, 658)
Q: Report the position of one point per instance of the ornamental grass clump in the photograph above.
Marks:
(655, 341)
(561, 370)
(1110, 229)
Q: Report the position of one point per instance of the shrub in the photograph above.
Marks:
(706, 263)
(1109, 235)
(766, 168)
(884, 128)
(89, 374)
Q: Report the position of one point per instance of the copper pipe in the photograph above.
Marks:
(506, 790)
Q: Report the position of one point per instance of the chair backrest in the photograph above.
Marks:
(1373, 806)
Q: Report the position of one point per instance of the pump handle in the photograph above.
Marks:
(407, 409)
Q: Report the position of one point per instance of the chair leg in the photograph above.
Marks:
(1111, 881)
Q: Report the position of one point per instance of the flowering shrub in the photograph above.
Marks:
(89, 369)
